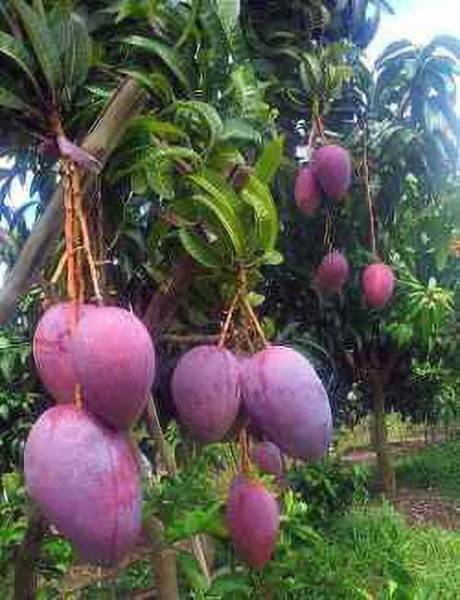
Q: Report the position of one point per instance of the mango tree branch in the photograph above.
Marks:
(106, 133)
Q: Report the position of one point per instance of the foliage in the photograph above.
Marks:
(436, 466)
(328, 488)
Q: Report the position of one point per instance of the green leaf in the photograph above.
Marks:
(155, 83)
(239, 129)
(229, 12)
(166, 54)
(200, 250)
(258, 196)
(153, 126)
(16, 51)
(10, 100)
(273, 258)
(42, 41)
(224, 203)
(207, 114)
(270, 160)
(75, 45)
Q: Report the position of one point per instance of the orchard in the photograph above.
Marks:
(240, 245)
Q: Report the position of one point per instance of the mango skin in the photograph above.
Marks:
(267, 457)
(206, 392)
(378, 284)
(86, 481)
(252, 519)
(114, 361)
(307, 192)
(332, 273)
(285, 398)
(332, 168)
(52, 350)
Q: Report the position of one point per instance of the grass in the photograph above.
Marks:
(435, 466)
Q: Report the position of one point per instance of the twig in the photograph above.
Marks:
(367, 187)
(255, 321)
(228, 319)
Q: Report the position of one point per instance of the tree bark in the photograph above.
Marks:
(106, 133)
(28, 554)
(386, 480)
(164, 562)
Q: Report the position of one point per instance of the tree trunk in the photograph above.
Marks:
(386, 480)
(164, 562)
(28, 555)
(126, 103)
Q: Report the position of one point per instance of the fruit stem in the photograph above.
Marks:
(255, 321)
(60, 267)
(228, 319)
(84, 231)
(367, 187)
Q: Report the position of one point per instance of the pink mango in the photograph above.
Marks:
(307, 192)
(206, 393)
(86, 481)
(333, 169)
(378, 284)
(114, 361)
(285, 398)
(52, 350)
(253, 520)
(332, 273)
(267, 457)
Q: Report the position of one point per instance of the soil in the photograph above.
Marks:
(421, 507)
(427, 507)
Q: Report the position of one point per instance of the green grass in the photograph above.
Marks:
(436, 466)
(377, 548)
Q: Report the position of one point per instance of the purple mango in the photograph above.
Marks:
(332, 273)
(284, 396)
(333, 169)
(86, 481)
(253, 520)
(206, 392)
(267, 457)
(114, 361)
(307, 192)
(378, 284)
(53, 352)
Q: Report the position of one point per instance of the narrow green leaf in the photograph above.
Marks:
(154, 83)
(75, 46)
(229, 12)
(218, 204)
(153, 126)
(200, 250)
(207, 114)
(42, 41)
(167, 55)
(241, 130)
(16, 51)
(258, 196)
(10, 100)
(270, 160)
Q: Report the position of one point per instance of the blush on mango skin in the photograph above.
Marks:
(378, 284)
(86, 481)
(285, 398)
(108, 353)
(253, 520)
(332, 273)
(206, 392)
(332, 168)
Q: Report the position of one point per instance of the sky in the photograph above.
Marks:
(418, 21)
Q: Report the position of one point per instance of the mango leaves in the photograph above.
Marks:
(236, 227)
